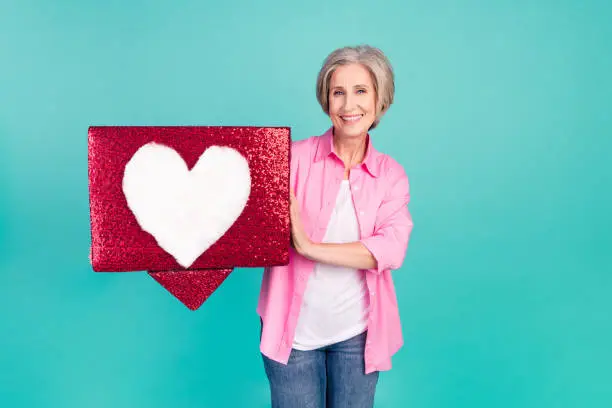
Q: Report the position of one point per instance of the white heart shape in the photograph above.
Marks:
(186, 211)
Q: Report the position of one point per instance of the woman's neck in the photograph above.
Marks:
(351, 150)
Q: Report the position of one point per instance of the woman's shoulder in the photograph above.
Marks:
(304, 147)
(299, 145)
(389, 167)
(305, 143)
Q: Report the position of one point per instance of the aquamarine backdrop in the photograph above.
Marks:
(502, 120)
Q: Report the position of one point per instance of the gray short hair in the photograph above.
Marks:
(374, 60)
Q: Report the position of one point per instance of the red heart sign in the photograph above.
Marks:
(188, 203)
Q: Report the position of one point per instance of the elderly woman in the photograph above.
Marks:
(330, 318)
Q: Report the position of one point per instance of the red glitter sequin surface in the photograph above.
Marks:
(260, 236)
(191, 287)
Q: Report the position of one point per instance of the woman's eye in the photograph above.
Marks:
(361, 91)
(337, 92)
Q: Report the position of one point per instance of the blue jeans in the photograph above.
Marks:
(332, 377)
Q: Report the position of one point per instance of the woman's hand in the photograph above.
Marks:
(301, 241)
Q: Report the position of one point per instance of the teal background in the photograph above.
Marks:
(502, 120)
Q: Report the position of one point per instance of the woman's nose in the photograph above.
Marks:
(349, 103)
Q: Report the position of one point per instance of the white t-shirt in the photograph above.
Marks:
(335, 304)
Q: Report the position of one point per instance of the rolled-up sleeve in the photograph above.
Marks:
(393, 225)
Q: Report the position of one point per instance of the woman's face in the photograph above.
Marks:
(352, 100)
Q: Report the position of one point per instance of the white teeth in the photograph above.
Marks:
(351, 118)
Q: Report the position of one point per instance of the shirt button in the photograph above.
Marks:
(356, 188)
(372, 293)
(361, 212)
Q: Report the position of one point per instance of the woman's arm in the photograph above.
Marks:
(351, 255)
(384, 250)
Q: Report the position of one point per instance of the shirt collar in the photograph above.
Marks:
(326, 147)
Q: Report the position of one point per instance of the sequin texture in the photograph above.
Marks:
(191, 287)
(259, 237)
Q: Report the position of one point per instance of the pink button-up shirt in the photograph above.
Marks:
(381, 194)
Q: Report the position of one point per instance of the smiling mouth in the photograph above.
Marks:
(351, 118)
